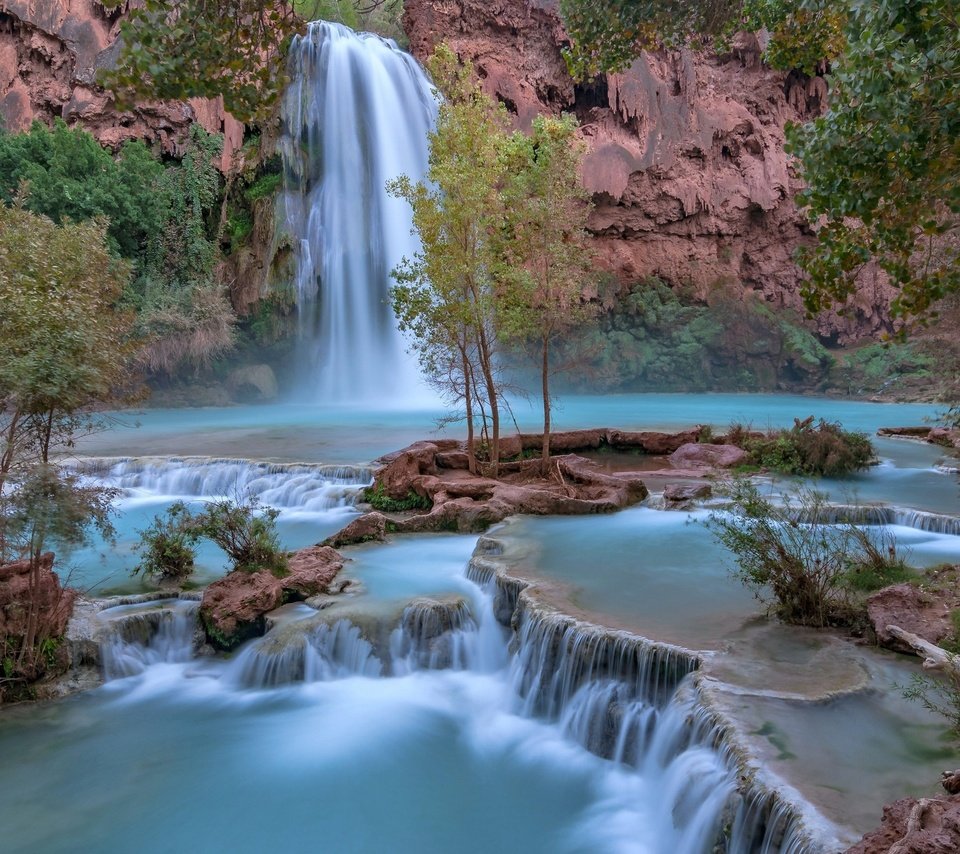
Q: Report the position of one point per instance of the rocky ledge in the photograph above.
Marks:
(233, 609)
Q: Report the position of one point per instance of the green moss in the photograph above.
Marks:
(265, 185)
(377, 498)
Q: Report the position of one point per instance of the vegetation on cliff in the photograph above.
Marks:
(881, 165)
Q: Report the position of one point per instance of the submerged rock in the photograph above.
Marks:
(233, 608)
(675, 494)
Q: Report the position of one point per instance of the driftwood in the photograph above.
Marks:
(934, 657)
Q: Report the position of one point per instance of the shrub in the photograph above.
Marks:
(246, 532)
(799, 554)
(825, 449)
(168, 547)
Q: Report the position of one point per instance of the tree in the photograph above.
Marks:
(445, 297)
(70, 176)
(543, 249)
(882, 167)
(66, 351)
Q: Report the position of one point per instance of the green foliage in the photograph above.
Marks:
(246, 531)
(942, 697)
(183, 310)
(66, 345)
(445, 296)
(797, 554)
(881, 166)
(375, 16)
(878, 366)
(378, 499)
(180, 49)
(265, 185)
(655, 338)
(69, 176)
(167, 548)
(607, 35)
(805, 35)
(825, 450)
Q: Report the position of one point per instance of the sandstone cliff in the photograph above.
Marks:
(686, 154)
(50, 51)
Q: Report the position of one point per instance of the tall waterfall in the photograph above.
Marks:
(357, 114)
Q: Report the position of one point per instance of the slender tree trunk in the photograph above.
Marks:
(545, 382)
(468, 402)
(486, 367)
(47, 432)
(9, 451)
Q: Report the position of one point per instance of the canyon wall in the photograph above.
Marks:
(50, 52)
(685, 157)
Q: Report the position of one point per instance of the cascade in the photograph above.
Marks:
(357, 114)
(138, 638)
(287, 486)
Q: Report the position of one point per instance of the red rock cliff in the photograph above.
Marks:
(50, 51)
(686, 153)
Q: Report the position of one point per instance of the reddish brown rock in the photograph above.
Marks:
(685, 158)
(697, 455)
(912, 826)
(464, 502)
(683, 493)
(55, 604)
(233, 608)
(50, 52)
(370, 527)
(652, 441)
(949, 437)
(922, 611)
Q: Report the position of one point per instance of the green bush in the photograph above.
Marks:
(825, 450)
(168, 547)
(796, 554)
(246, 532)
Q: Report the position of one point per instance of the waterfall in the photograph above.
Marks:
(139, 637)
(357, 114)
(298, 486)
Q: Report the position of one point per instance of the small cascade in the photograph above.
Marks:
(357, 114)
(296, 486)
(874, 514)
(433, 635)
(557, 655)
(310, 653)
(137, 638)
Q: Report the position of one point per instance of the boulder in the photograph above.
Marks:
(55, 604)
(915, 826)
(253, 384)
(403, 469)
(683, 493)
(368, 528)
(920, 611)
(233, 608)
(696, 455)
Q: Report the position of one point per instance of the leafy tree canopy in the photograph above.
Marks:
(69, 176)
(883, 165)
